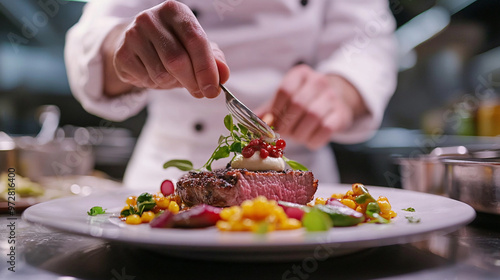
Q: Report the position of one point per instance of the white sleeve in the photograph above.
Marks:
(361, 33)
(84, 63)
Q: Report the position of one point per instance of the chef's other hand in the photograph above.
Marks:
(310, 107)
(163, 48)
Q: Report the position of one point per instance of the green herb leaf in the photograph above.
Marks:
(295, 165)
(145, 202)
(221, 139)
(409, 209)
(127, 212)
(243, 129)
(316, 220)
(373, 211)
(366, 197)
(236, 147)
(221, 152)
(182, 164)
(412, 220)
(228, 122)
(96, 210)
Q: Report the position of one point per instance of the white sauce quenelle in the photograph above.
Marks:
(256, 163)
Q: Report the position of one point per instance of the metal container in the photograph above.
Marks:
(7, 153)
(59, 157)
(475, 181)
(425, 173)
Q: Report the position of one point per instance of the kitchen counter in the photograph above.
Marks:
(472, 252)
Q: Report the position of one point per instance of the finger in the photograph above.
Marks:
(323, 134)
(314, 86)
(292, 81)
(152, 62)
(313, 119)
(194, 40)
(222, 66)
(130, 68)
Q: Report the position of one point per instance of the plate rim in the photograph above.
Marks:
(117, 235)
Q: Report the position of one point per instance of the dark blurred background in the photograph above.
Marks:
(447, 90)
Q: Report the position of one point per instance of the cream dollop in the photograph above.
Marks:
(255, 163)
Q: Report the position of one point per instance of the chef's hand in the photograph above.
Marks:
(163, 48)
(310, 107)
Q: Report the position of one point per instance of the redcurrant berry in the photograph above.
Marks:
(263, 153)
(280, 144)
(247, 151)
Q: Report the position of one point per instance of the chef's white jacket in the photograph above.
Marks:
(262, 40)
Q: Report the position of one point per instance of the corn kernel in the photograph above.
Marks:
(382, 198)
(162, 202)
(357, 189)
(147, 216)
(291, 224)
(393, 214)
(349, 203)
(223, 225)
(320, 200)
(337, 195)
(131, 200)
(133, 219)
(385, 207)
(173, 207)
(349, 194)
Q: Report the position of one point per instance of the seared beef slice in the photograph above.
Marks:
(227, 187)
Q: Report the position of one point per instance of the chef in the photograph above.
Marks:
(319, 70)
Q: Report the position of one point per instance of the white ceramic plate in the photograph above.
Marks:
(438, 215)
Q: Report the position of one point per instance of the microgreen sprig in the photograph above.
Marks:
(238, 137)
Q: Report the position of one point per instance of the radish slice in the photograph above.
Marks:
(167, 188)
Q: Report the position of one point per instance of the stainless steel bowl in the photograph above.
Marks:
(425, 172)
(475, 182)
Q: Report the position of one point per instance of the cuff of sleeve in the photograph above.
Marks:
(86, 75)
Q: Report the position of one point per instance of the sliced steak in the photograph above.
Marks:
(227, 187)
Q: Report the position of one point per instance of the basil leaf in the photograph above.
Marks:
(182, 164)
(96, 210)
(221, 152)
(236, 147)
(228, 122)
(295, 165)
(409, 209)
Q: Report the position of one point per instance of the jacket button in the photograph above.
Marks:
(198, 127)
(304, 2)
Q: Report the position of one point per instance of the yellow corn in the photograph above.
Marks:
(131, 200)
(147, 216)
(357, 189)
(133, 219)
(162, 202)
(173, 207)
(320, 200)
(349, 203)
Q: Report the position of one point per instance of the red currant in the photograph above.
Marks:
(254, 142)
(263, 153)
(247, 152)
(280, 144)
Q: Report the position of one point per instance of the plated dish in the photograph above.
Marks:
(437, 215)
